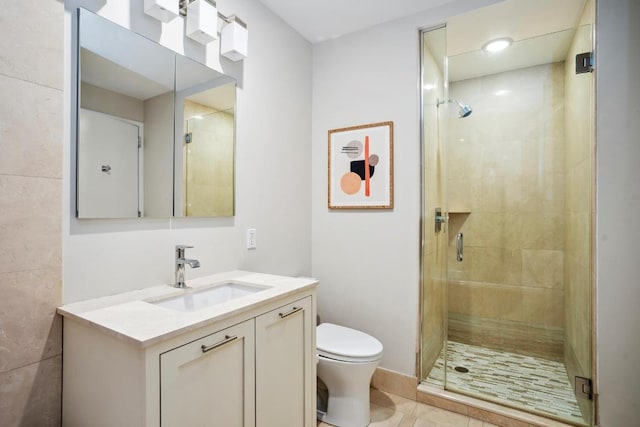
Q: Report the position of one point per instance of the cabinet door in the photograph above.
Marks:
(210, 382)
(285, 366)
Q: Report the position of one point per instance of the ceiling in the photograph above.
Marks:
(328, 19)
(542, 30)
(519, 19)
(103, 73)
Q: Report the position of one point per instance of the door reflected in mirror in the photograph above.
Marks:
(137, 102)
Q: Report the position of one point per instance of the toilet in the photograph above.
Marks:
(347, 359)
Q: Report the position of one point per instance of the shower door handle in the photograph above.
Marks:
(459, 244)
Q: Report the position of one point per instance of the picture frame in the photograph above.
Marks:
(360, 167)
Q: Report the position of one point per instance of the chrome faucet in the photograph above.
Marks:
(180, 262)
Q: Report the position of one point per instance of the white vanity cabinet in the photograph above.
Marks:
(251, 367)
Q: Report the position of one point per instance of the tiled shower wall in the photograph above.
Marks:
(506, 195)
(31, 84)
(216, 128)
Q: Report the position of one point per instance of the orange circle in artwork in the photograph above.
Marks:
(350, 183)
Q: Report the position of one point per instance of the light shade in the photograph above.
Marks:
(234, 40)
(497, 45)
(162, 10)
(202, 21)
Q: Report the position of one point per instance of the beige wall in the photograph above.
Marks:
(30, 201)
(158, 156)
(115, 104)
(434, 249)
(618, 206)
(506, 195)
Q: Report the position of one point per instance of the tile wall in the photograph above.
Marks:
(212, 144)
(31, 83)
(506, 195)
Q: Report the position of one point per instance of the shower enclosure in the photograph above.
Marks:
(208, 163)
(507, 173)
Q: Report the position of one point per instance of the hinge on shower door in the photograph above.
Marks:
(584, 63)
(583, 388)
(440, 219)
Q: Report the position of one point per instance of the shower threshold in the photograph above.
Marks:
(524, 382)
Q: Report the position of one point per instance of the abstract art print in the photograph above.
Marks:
(361, 167)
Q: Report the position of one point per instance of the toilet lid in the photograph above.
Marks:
(341, 343)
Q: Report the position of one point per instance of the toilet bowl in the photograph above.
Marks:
(347, 359)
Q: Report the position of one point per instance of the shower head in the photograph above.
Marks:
(465, 110)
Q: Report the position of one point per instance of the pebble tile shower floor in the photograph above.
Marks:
(539, 385)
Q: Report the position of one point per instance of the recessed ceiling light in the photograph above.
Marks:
(497, 45)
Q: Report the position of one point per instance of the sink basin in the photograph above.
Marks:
(208, 297)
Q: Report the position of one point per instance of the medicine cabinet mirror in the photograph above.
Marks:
(156, 130)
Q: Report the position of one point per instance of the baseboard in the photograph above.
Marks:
(395, 383)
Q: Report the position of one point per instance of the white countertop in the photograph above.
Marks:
(130, 316)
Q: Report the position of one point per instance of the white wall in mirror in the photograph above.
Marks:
(104, 257)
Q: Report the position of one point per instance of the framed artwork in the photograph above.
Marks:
(361, 167)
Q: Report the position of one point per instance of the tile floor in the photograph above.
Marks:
(538, 385)
(388, 410)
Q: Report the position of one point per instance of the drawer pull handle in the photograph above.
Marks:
(227, 339)
(293, 311)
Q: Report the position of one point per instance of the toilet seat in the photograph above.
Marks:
(346, 344)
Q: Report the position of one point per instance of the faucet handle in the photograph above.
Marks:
(180, 250)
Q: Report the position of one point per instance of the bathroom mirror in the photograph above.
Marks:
(156, 130)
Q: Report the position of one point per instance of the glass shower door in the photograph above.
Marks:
(509, 321)
(519, 191)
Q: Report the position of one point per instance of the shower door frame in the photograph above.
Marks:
(422, 225)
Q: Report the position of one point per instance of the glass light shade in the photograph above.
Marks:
(234, 41)
(162, 10)
(497, 45)
(202, 21)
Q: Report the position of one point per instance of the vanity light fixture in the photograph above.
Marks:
(234, 39)
(202, 21)
(162, 10)
(497, 45)
(202, 25)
